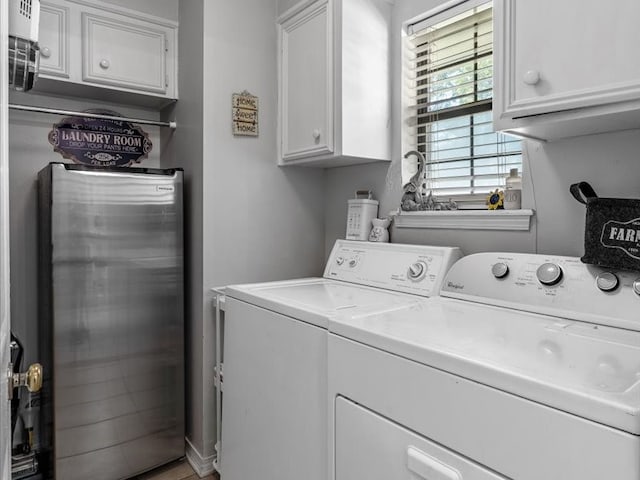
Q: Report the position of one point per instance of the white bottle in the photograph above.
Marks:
(513, 191)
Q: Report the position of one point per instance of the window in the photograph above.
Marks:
(450, 90)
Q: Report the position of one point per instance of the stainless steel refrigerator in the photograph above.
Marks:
(111, 320)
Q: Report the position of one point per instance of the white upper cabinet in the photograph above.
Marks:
(129, 55)
(566, 68)
(54, 40)
(99, 50)
(307, 84)
(334, 83)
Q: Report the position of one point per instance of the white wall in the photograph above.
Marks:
(609, 162)
(183, 148)
(251, 220)
(284, 5)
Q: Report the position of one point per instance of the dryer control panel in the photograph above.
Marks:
(548, 284)
(416, 269)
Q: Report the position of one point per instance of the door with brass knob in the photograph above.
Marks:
(5, 334)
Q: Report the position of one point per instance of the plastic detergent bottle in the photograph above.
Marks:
(513, 191)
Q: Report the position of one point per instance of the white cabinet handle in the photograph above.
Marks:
(531, 77)
(316, 134)
(104, 63)
(45, 52)
(427, 467)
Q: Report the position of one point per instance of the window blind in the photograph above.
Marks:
(451, 92)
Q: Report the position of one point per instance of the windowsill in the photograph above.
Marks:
(517, 220)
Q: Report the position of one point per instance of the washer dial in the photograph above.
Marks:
(549, 273)
(417, 270)
(500, 270)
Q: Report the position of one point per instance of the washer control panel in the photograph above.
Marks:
(553, 285)
(417, 269)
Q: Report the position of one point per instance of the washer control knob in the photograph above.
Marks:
(417, 270)
(500, 270)
(353, 262)
(549, 273)
(636, 286)
(340, 260)
(607, 281)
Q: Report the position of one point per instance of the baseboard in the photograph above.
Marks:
(202, 465)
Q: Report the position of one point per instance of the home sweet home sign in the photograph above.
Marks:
(245, 114)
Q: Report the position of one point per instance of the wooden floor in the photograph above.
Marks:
(180, 470)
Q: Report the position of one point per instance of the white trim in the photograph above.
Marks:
(203, 466)
(441, 12)
(137, 14)
(5, 305)
(295, 9)
(518, 220)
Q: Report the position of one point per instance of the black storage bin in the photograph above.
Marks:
(612, 229)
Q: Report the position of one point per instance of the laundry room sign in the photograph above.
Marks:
(101, 142)
(244, 108)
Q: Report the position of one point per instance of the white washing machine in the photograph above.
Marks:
(275, 412)
(527, 367)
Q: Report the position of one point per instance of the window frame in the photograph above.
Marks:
(409, 134)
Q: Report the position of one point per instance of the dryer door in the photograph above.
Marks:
(370, 447)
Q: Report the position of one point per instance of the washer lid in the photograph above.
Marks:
(589, 370)
(315, 300)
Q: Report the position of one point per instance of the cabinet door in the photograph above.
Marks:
(306, 84)
(554, 56)
(54, 40)
(126, 55)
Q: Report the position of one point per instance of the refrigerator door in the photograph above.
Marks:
(117, 303)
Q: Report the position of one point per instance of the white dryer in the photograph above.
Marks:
(527, 367)
(275, 414)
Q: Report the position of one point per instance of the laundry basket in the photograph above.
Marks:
(612, 229)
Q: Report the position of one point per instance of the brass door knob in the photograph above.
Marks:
(34, 378)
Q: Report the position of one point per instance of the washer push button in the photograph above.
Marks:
(607, 281)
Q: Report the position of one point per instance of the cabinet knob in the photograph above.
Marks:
(531, 77)
(316, 134)
(45, 52)
(104, 63)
